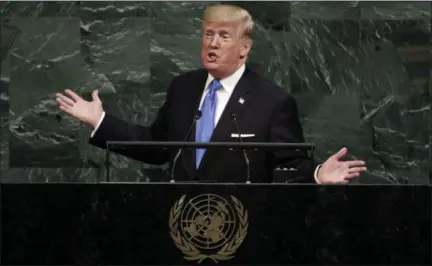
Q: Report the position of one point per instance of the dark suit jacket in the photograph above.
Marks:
(268, 112)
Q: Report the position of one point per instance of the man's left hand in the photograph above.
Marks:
(336, 171)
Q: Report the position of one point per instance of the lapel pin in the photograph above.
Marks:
(241, 100)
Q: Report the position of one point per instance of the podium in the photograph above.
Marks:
(209, 224)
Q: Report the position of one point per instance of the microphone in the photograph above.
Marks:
(244, 151)
(196, 117)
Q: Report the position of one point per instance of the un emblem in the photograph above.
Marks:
(208, 226)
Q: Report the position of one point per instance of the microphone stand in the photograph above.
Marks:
(196, 117)
(244, 151)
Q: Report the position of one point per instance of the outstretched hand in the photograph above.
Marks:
(336, 171)
(74, 105)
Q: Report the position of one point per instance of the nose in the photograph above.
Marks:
(214, 43)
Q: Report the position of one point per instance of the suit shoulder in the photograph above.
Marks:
(270, 89)
(187, 79)
(190, 75)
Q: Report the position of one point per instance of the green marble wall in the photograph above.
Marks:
(361, 72)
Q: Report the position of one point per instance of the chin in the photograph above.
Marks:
(210, 65)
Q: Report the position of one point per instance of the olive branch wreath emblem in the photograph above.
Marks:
(191, 252)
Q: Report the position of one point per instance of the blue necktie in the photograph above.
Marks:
(206, 124)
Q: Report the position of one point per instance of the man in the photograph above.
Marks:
(226, 92)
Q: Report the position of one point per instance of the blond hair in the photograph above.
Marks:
(230, 13)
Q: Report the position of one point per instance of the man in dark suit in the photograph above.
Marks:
(226, 92)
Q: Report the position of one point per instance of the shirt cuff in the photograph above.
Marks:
(98, 125)
(316, 174)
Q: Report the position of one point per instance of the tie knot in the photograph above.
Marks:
(215, 85)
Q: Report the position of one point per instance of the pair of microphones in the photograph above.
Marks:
(197, 116)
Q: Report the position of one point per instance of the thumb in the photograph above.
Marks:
(95, 96)
(341, 153)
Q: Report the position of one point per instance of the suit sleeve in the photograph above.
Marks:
(115, 129)
(285, 127)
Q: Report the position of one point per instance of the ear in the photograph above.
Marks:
(245, 48)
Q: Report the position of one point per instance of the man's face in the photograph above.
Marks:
(223, 48)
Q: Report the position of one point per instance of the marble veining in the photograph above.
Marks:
(360, 72)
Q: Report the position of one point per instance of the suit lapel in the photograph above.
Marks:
(193, 100)
(237, 104)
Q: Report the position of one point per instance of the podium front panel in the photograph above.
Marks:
(228, 224)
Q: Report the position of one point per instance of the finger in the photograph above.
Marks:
(66, 109)
(355, 163)
(63, 103)
(357, 169)
(95, 95)
(73, 95)
(351, 176)
(343, 181)
(64, 99)
(341, 153)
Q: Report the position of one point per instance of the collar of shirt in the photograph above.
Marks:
(228, 83)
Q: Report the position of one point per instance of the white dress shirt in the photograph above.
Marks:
(222, 95)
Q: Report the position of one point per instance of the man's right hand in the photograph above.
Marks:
(74, 105)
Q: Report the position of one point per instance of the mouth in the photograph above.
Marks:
(212, 56)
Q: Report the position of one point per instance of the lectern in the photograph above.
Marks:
(208, 224)
(214, 223)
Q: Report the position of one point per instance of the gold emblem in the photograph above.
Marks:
(208, 226)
